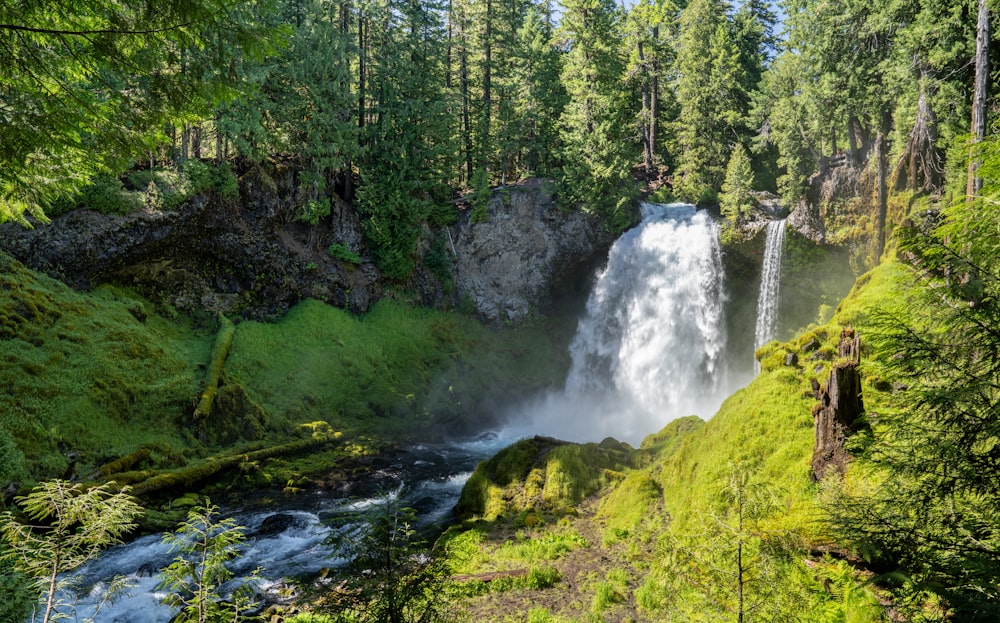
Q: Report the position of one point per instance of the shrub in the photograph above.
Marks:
(339, 251)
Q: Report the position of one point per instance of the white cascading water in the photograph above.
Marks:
(770, 279)
(650, 347)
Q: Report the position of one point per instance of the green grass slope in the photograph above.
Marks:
(89, 377)
(98, 374)
(702, 506)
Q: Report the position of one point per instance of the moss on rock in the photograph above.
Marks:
(542, 474)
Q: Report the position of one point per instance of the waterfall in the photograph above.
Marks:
(770, 279)
(650, 345)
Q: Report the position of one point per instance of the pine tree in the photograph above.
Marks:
(736, 200)
(596, 154)
(711, 98)
(540, 96)
(204, 544)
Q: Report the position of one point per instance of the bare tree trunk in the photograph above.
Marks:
(185, 142)
(219, 156)
(487, 82)
(881, 188)
(646, 117)
(654, 97)
(974, 183)
(196, 141)
(919, 166)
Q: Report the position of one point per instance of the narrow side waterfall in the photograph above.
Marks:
(768, 298)
(650, 347)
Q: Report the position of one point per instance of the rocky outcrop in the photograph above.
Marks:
(840, 409)
(251, 257)
(512, 263)
(245, 257)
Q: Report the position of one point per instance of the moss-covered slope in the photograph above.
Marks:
(89, 377)
(664, 540)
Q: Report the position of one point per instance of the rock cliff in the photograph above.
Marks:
(251, 257)
(512, 262)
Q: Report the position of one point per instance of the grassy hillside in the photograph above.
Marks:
(86, 378)
(664, 538)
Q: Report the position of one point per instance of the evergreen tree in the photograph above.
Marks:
(540, 97)
(650, 57)
(931, 503)
(712, 101)
(69, 525)
(204, 544)
(408, 136)
(736, 200)
(596, 154)
(391, 576)
(84, 90)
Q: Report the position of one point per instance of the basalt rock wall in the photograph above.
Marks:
(250, 256)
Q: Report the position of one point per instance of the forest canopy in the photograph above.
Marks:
(399, 106)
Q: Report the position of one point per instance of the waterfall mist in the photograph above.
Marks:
(650, 347)
(770, 279)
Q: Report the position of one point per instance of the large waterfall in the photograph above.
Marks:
(768, 298)
(650, 346)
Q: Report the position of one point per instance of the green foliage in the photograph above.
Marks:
(481, 196)
(339, 251)
(19, 595)
(391, 576)
(736, 200)
(396, 368)
(106, 195)
(69, 525)
(88, 89)
(438, 260)
(596, 154)
(710, 91)
(539, 474)
(925, 500)
(204, 177)
(204, 544)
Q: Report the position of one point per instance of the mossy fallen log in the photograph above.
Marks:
(121, 464)
(220, 350)
(190, 476)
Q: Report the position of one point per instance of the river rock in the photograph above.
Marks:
(511, 263)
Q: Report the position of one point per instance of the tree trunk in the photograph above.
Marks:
(487, 82)
(362, 54)
(185, 142)
(881, 189)
(646, 118)
(463, 61)
(654, 97)
(974, 183)
(447, 73)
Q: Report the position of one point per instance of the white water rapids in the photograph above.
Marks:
(650, 347)
(283, 542)
(770, 279)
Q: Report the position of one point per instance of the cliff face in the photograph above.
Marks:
(251, 257)
(525, 251)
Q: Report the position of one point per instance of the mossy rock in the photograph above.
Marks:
(235, 417)
(542, 474)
